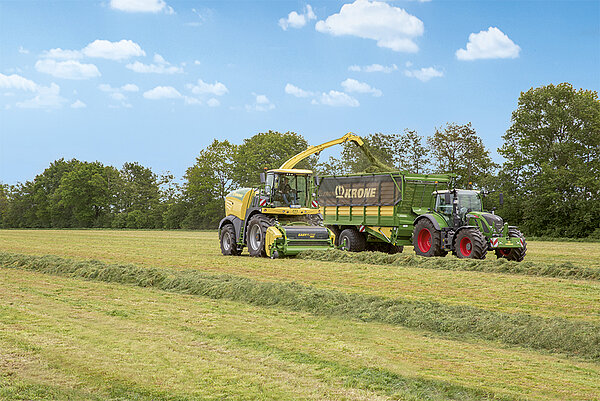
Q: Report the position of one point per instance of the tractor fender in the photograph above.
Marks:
(231, 219)
(435, 220)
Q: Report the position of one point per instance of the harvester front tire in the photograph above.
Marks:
(353, 241)
(228, 243)
(513, 254)
(256, 234)
(470, 244)
(427, 241)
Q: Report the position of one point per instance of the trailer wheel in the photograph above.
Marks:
(470, 244)
(228, 243)
(256, 233)
(336, 231)
(513, 254)
(427, 241)
(353, 241)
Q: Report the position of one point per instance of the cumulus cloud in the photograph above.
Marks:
(47, 97)
(336, 99)
(373, 68)
(160, 66)
(78, 104)
(15, 81)
(424, 74)
(130, 88)
(162, 92)
(392, 27)
(141, 6)
(295, 91)
(489, 44)
(261, 103)
(121, 50)
(22, 50)
(352, 85)
(295, 20)
(69, 69)
(212, 102)
(60, 54)
(216, 89)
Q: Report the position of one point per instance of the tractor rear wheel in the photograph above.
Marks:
(427, 241)
(256, 233)
(513, 254)
(470, 244)
(353, 241)
(228, 243)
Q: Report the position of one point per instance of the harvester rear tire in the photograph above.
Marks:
(513, 254)
(229, 245)
(256, 234)
(353, 241)
(470, 244)
(427, 241)
(336, 231)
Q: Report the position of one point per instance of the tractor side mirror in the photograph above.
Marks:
(263, 178)
(501, 198)
(317, 181)
(447, 198)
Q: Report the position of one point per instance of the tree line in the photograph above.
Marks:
(550, 177)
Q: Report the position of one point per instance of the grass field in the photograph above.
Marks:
(70, 338)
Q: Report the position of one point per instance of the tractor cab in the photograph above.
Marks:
(287, 188)
(455, 204)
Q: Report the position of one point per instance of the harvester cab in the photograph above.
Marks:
(465, 229)
(282, 217)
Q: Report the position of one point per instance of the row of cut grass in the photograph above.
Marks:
(563, 270)
(94, 337)
(547, 297)
(576, 338)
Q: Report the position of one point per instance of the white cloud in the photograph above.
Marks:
(489, 44)
(216, 89)
(373, 68)
(295, 20)
(22, 50)
(261, 103)
(141, 6)
(78, 104)
(160, 66)
(61, 54)
(162, 92)
(352, 85)
(336, 99)
(196, 62)
(295, 91)
(391, 27)
(69, 69)
(130, 88)
(212, 102)
(424, 74)
(15, 81)
(47, 97)
(120, 50)
(118, 96)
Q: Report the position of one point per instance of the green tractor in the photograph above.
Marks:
(458, 224)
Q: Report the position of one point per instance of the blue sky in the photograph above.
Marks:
(155, 81)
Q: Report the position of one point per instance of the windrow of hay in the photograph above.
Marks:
(571, 337)
(561, 270)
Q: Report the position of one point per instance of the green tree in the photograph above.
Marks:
(413, 153)
(552, 152)
(266, 150)
(3, 203)
(457, 149)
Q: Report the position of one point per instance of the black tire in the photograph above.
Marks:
(353, 241)
(229, 245)
(255, 234)
(470, 243)
(514, 254)
(336, 231)
(427, 241)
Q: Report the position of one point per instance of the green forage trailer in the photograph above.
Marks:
(386, 211)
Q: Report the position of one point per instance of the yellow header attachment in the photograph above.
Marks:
(316, 149)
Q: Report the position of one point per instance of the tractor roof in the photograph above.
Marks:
(291, 171)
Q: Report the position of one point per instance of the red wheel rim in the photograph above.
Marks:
(424, 240)
(466, 246)
(504, 252)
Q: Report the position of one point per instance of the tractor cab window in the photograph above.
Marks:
(442, 207)
(289, 190)
(468, 201)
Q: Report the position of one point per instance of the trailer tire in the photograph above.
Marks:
(353, 241)
(336, 231)
(470, 244)
(513, 254)
(256, 233)
(229, 245)
(427, 241)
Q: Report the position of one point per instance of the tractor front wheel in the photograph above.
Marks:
(353, 241)
(470, 244)
(513, 254)
(256, 233)
(427, 241)
(228, 243)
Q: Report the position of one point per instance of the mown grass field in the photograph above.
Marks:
(71, 338)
